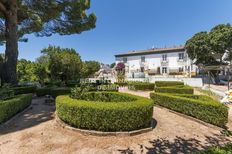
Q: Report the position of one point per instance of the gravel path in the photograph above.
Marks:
(37, 132)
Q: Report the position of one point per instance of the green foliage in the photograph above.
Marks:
(198, 106)
(104, 97)
(26, 70)
(45, 18)
(106, 116)
(213, 44)
(121, 84)
(64, 64)
(180, 89)
(227, 149)
(24, 89)
(43, 91)
(13, 106)
(60, 91)
(109, 87)
(6, 93)
(168, 83)
(89, 68)
(112, 65)
(141, 86)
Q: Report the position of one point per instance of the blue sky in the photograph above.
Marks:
(124, 25)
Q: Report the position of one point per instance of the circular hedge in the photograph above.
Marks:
(106, 113)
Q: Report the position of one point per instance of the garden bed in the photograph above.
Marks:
(106, 111)
(197, 106)
(12, 106)
(141, 86)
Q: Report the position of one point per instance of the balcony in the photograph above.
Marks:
(164, 63)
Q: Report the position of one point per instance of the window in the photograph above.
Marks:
(164, 57)
(181, 56)
(164, 70)
(181, 69)
(124, 60)
(143, 59)
(142, 69)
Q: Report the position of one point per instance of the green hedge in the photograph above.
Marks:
(129, 114)
(10, 107)
(179, 89)
(6, 93)
(60, 91)
(227, 149)
(168, 83)
(198, 106)
(43, 91)
(24, 89)
(141, 86)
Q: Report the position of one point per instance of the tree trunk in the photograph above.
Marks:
(11, 53)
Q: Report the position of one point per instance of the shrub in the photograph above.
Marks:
(43, 91)
(198, 106)
(24, 89)
(227, 149)
(13, 106)
(110, 87)
(141, 86)
(72, 83)
(122, 115)
(60, 91)
(168, 83)
(6, 93)
(121, 84)
(180, 89)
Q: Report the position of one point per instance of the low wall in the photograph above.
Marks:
(194, 82)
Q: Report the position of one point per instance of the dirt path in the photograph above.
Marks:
(37, 132)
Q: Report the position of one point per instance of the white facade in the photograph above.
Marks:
(155, 62)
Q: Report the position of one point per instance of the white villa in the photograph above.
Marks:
(157, 62)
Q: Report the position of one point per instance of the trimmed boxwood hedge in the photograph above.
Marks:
(179, 89)
(43, 91)
(198, 106)
(129, 114)
(54, 92)
(10, 107)
(141, 86)
(168, 83)
(60, 91)
(24, 89)
(6, 93)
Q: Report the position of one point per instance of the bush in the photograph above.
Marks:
(218, 150)
(198, 106)
(110, 87)
(6, 93)
(43, 91)
(168, 83)
(121, 84)
(179, 89)
(60, 91)
(24, 89)
(13, 106)
(141, 86)
(127, 113)
(72, 83)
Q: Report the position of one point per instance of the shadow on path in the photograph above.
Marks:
(38, 113)
(178, 145)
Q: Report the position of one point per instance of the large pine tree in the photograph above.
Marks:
(42, 17)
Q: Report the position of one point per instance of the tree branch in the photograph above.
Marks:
(2, 8)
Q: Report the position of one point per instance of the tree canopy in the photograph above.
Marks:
(210, 48)
(64, 64)
(89, 68)
(41, 17)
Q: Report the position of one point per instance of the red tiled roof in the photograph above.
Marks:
(152, 51)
